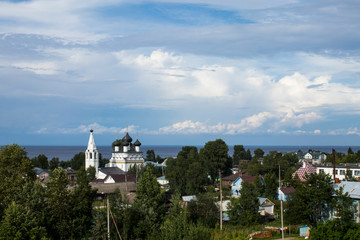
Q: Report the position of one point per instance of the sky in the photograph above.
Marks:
(180, 72)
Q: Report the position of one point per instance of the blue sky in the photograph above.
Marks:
(180, 72)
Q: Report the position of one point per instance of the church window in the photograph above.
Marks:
(95, 155)
(90, 155)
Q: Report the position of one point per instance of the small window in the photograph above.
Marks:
(321, 171)
(90, 155)
(342, 172)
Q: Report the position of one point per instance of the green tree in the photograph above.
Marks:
(215, 156)
(271, 186)
(204, 211)
(311, 200)
(54, 163)
(20, 223)
(150, 155)
(59, 206)
(238, 154)
(91, 173)
(260, 187)
(343, 206)
(82, 198)
(196, 178)
(350, 151)
(150, 203)
(78, 161)
(335, 229)
(99, 229)
(186, 173)
(244, 210)
(15, 171)
(25, 216)
(259, 153)
(40, 161)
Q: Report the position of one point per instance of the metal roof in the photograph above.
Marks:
(352, 188)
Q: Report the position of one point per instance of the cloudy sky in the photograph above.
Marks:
(172, 72)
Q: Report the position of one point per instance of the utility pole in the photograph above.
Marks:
(281, 207)
(108, 217)
(221, 210)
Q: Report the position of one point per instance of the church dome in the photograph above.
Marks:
(125, 143)
(127, 138)
(117, 143)
(137, 143)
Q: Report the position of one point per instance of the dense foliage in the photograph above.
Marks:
(32, 211)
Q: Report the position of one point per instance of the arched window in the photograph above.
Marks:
(90, 155)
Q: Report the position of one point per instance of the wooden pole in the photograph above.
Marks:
(108, 217)
(221, 211)
(281, 207)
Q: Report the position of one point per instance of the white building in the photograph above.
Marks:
(340, 170)
(92, 154)
(126, 154)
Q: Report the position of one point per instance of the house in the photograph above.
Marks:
(306, 169)
(162, 180)
(41, 174)
(125, 188)
(340, 170)
(187, 199)
(284, 193)
(227, 181)
(236, 185)
(266, 206)
(353, 189)
(70, 173)
(117, 178)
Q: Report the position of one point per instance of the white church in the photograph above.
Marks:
(125, 155)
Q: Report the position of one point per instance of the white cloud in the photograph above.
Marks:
(300, 119)
(245, 126)
(42, 68)
(98, 129)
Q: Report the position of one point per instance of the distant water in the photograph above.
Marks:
(65, 153)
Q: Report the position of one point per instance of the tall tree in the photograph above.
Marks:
(343, 205)
(78, 161)
(150, 203)
(54, 163)
(238, 154)
(40, 161)
(186, 173)
(15, 171)
(311, 199)
(59, 206)
(244, 210)
(259, 153)
(20, 223)
(82, 198)
(215, 156)
(271, 186)
(204, 210)
(150, 155)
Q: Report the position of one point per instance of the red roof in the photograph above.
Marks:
(121, 177)
(234, 176)
(301, 172)
(287, 190)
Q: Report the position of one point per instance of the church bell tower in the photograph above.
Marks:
(92, 154)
